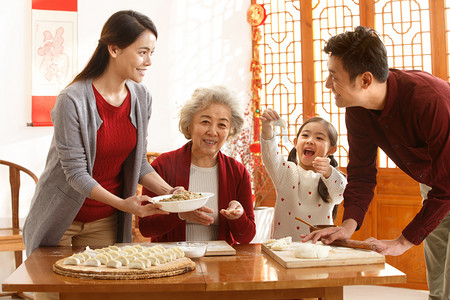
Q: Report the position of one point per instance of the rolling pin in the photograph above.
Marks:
(341, 243)
(353, 244)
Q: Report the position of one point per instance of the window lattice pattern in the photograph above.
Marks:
(281, 64)
(331, 18)
(404, 26)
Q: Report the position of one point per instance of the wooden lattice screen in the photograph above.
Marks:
(415, 32)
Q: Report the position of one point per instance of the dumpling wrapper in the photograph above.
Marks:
(279, 122)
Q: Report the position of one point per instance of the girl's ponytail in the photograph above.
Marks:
(323, 190)
(293, 156)
(333, 161)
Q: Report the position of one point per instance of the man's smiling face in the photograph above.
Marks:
(346, 92)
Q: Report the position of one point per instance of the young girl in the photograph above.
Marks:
(307, 184)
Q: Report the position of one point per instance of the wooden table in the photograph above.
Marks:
(250, 274)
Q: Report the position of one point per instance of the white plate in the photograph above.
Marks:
(182, 205)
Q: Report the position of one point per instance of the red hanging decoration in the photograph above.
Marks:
(256, 14)
(255, 148)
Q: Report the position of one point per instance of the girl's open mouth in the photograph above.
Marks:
(307, 152)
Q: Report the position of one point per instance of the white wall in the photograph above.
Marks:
(201, 42)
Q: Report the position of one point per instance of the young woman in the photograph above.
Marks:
(86, 194)
(308, 185)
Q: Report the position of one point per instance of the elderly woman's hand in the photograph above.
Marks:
(198, 216)
(234, 210)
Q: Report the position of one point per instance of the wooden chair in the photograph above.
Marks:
(11, 238)
(137, 237)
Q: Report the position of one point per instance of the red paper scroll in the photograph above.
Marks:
(54, 54)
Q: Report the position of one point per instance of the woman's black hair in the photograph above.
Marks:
(122, 29)
(332, 135)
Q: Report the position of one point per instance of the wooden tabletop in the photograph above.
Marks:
(248, 273)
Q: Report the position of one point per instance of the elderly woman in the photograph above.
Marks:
(208, 119)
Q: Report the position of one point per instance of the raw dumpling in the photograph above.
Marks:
(93, 262)
(104, 259)
(279, 122)
(177, 251)
(123, 260)
(114, 264)
(153, 260)
(137, 264)
(158, 248)
(139, 248)
(139, 255)
(72, 261)
(160, 258)
(81, 257)
(114, 248)
(308, 250)
(147, 262)
(130, 258)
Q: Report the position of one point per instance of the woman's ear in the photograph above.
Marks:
(113, 50)
(332, 150)
(295, 141)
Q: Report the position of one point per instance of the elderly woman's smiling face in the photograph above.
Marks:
(209, 130)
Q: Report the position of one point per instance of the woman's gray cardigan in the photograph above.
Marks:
(67, 179)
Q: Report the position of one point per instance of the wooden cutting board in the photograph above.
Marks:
(215, 248)
(338, 256)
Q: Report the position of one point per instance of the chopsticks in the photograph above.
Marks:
(309, 224)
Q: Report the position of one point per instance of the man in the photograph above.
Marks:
(407, 114)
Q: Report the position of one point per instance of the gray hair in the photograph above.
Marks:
(204, 97)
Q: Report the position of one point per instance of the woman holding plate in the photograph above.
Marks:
(86, 194)
(208, 119)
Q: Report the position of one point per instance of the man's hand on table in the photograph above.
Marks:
(346, 230)
(330, 234)
(391, 247)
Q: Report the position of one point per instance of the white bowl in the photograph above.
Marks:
(193, 249)
(182, 205)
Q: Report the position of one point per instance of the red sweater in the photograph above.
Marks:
(413, 129)
(234, 184)
(116, 139)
